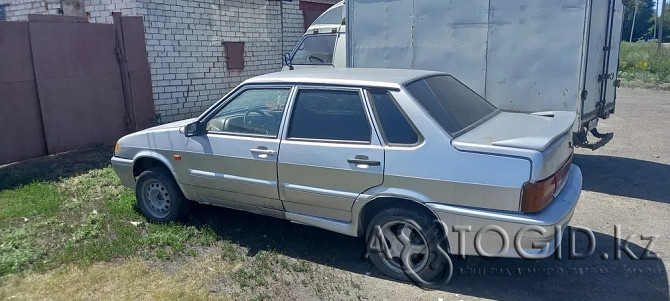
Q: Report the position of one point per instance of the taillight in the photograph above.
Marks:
(536, 196)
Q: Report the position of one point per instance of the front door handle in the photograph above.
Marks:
(360, 159)
(263, 152)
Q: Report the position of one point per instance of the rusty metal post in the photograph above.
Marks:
(125, 78)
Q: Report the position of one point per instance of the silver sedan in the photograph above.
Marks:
(413, 161)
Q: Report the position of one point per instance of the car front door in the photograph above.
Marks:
(235, 161)
(330, 153)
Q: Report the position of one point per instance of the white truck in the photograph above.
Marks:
(521, 55)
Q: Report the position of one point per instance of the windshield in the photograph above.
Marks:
(316, 49)
(451, 103)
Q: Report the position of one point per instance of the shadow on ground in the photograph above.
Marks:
(500, 279)
(625, 177)
(54, 167)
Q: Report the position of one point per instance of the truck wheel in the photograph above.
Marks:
(396, 233)
(159, 197)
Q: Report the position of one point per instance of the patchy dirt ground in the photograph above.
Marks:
(626, 183)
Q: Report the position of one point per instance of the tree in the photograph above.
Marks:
(644, 20)
(653, 33)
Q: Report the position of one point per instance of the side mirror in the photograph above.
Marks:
(287, 60)
(192, 129)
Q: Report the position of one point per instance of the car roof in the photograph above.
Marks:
(366, 77)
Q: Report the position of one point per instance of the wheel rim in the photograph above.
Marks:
(156, 198)
(404, 240)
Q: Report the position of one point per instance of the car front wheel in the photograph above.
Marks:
(159, 197)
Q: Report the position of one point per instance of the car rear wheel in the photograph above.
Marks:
(159, 197)
(404, 245)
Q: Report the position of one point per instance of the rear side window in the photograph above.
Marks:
(329, 115)
(451, 103)
(394, 125)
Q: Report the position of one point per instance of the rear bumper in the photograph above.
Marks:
(124, 169)
(503, 234)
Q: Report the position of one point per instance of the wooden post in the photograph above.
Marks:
(660, 24)
(632, 26)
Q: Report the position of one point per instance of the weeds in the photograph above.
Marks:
(643, 62)
(256, 271)
(18, 248)
(84, 219)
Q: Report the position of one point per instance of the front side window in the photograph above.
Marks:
(254, 111)
(393, 124)
(451, 103)
(316, 49)
(329, 115)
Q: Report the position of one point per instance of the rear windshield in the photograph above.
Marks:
(451, 103)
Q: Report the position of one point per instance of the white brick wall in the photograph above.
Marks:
(18, 10)
(100, 10)
(185, 43)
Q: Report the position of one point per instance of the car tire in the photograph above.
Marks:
(159, 198)
(428, 264)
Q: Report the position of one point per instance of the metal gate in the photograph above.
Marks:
(66, 83)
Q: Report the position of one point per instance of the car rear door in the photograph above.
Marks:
(329, 154)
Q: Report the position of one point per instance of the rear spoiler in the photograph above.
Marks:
(560, 123)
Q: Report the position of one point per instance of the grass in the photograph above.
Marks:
(134, 279)
(83, 219)
(65, 219)
(69, 230)
(643, 65)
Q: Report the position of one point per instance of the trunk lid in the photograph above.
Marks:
(544, 137)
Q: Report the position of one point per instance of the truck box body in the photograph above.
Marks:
(521, 55)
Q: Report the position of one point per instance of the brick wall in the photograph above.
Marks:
(99, 10)
(18, 10)
(185, 43)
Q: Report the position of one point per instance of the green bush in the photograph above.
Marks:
(643, 61)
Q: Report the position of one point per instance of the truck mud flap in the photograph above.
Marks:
(580, 140)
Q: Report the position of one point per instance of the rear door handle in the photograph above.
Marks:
(359, 159)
